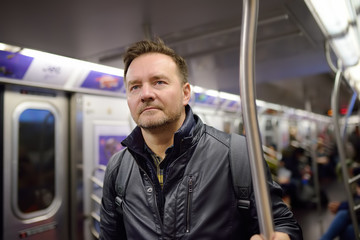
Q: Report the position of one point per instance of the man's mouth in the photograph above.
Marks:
(148, 109)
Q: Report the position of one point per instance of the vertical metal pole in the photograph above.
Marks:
(341, 150)
(247, 93)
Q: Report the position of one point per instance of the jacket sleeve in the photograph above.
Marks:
(283, 218)
(111, 222)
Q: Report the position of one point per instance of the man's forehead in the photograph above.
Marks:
(151, 63)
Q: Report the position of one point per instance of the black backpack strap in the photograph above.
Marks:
(240, 170)
(122, 178)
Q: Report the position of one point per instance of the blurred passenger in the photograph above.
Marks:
(290, 175)
(271, 158)
(296, 177)
(291, 159)
(325, 164)
(342, 226)
(284, 179)
(180, 184)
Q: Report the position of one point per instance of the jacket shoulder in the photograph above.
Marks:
(219, 135)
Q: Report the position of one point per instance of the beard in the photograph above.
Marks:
(152, 122)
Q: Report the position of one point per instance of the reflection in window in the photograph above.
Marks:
(36, 160)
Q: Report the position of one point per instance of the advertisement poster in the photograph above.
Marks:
(103, 81)
(203, 98)
(108, 146)
(108, 137)
(14, 65)
(49, 71)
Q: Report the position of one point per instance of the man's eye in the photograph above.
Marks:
(132, 88)
(160, 82)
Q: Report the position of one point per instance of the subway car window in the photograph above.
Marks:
(36, 160)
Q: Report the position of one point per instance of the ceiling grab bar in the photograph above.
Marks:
(247, 93)
(341, 150)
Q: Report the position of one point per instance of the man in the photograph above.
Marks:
(179, 185)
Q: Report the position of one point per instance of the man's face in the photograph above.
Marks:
(155, 94)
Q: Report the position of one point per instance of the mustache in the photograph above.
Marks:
(146, 106)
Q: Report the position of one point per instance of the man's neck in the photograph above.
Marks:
(158, 143)
(160, 139)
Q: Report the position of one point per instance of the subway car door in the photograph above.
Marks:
(35, 160)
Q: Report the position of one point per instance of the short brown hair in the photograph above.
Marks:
(154, 46)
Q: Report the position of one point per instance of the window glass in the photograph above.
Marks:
(36, 160)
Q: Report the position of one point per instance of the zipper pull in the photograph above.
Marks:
(190, 183)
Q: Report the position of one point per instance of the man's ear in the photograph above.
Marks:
(186, 93)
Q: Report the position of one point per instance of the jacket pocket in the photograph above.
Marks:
(190, 189)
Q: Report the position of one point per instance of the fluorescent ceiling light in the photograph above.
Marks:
(352, 74)
(332, 14)
(336, 18)
(2, 46)
(356, 4)
(347, 48)
(9, 48)
(76, 63)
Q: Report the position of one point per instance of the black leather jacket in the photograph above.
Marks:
(197, 200)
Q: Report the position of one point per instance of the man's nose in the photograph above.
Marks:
(147, 93)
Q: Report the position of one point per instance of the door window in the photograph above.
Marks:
(34, 151)
(36, 160)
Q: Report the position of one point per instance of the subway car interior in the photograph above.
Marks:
(64, 111)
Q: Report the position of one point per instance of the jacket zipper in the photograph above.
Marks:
(155, 200)
(188, 206)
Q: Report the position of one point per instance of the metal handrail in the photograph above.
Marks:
(96, 199)
(354, 179)
(247, 93)
(95, 216)
(341, 150)
(94, 232)
(357, 207)
(97, 181)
